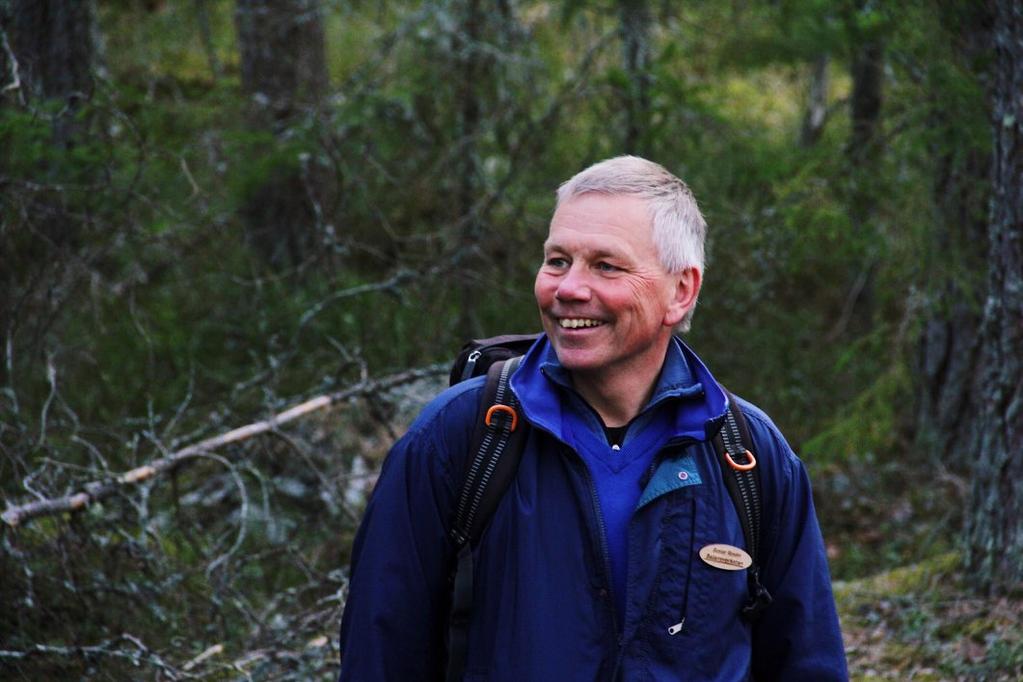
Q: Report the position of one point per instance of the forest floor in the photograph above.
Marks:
(921, 623)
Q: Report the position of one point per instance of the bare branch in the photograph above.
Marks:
(243, 518)
(98, 490)
(15, 83)
(139, 653)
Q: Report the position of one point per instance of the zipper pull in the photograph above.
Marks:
(470, 364)
(677, 627)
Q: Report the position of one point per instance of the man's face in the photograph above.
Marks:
(606, 302)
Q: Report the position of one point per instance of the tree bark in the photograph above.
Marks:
(953, 280)
(284, 74)
(866, 100)
(49, 55)
(283, 63)
(816, 104)
(864, 153)
(202, 18)
(474, 67)
(53, 44)
(635, 32)
(995, 521)
(46, 57)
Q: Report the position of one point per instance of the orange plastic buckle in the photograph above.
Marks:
(742, 467)
(502, 408)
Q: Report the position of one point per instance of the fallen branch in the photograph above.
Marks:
(139, 654)
(98, 490)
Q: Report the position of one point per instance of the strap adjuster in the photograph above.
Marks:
(502, 408)
(748, 466)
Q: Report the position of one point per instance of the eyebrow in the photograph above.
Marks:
(595, 253)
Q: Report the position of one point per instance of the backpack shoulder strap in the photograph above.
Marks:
(741, 475)
(499, 437)
(496, 447)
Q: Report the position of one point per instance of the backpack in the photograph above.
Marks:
(499, 438)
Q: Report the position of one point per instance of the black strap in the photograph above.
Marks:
(461, 611)
(733, 442)
(497, 447)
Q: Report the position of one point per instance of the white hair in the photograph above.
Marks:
(679, 230)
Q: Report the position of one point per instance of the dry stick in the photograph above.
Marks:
(98, 490)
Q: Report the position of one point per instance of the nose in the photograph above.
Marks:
(573, 286)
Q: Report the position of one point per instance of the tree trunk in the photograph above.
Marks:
(50, 56)
(474, 67)
(865, 101)
(864, 153)
(202, 18)
(52, 42)
(635, 32)
(816, 104)
(995, 524)
(46, 56)
(481, 52)
(284, 74)
(956, 267)
(283, 63)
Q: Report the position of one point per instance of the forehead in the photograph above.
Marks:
(604, 221)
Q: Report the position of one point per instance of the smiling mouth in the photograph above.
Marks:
(578, 323)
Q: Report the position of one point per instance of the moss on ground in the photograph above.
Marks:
(921, 622)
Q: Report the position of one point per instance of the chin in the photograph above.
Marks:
(577, 359)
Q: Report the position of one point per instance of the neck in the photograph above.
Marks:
(618, 394)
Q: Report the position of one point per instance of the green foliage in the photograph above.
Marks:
(868, 427)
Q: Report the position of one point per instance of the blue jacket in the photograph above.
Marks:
(542, 607)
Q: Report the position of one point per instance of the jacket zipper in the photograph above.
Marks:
(605, 554)
(680, 626)
(601, 535)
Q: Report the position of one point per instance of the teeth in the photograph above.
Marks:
(578, 323)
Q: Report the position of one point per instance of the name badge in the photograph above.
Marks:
(726, 557)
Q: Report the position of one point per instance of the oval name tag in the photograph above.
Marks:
(726, 556)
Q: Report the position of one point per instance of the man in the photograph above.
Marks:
(590, 568)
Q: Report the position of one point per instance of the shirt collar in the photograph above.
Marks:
(699, 402)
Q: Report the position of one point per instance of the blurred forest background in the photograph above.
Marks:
(242, 240)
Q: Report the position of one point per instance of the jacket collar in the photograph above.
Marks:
(684, 383)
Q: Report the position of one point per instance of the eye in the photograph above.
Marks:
(604, 266)
(556, 262)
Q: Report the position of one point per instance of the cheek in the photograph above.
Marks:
(542, 289)
(645, 293)
(645, 298)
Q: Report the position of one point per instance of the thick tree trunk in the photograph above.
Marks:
(635, 32)
(995, 521)
(284, 74)
(954, 280)
(946, 407)
(52, 42)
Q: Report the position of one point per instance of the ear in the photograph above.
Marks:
(686, 289)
